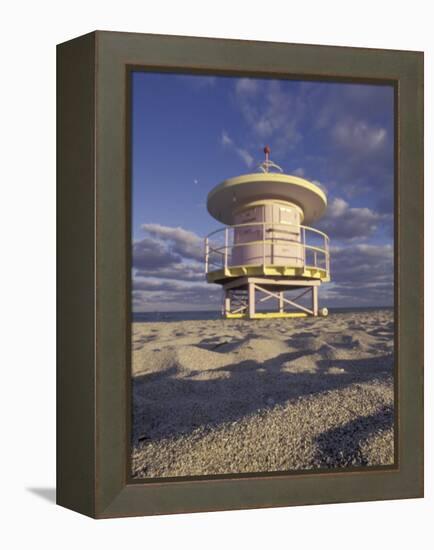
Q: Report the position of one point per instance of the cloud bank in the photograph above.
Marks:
(168, 268)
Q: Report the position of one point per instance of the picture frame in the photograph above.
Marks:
(94, 259)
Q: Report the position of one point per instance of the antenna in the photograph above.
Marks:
(267, 165)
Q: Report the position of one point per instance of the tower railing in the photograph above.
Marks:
(312, 246)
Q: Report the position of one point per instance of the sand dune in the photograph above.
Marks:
(232, 396)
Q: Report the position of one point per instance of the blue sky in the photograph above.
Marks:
(191, 132)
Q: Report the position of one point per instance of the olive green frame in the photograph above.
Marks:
(94, 265)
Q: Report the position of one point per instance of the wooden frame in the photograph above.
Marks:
(94, 260)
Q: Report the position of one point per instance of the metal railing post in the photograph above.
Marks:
(206, 254)
(263, 244)
(317, 262)
(226, 247)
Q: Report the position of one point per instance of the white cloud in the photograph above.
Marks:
(246, 86)
(181, 271)
(362, 275)
(337, 207)
(154, 285)
(244, 155)
(149, 253)
(298, 172)
(343, 222)
(182, 242)
(271, 113)
(358, 136)
(169, 271)
(172, 296)
(225, 139)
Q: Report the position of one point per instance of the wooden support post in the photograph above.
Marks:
(315, 301)
(252, 308)
(227, 302)
(285, 300)
(281, 302)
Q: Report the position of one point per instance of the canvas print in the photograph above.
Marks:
(262, 275)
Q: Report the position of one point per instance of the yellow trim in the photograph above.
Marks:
(270, 270)
(271, 315)
(268, 177)
(249, 187)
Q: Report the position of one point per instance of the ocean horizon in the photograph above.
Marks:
(173, 316)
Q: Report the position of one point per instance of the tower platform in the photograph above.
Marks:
(243, 295)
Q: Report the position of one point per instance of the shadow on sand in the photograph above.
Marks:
(173, 403)
(342, 447)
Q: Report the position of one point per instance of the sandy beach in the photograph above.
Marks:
(238, 396)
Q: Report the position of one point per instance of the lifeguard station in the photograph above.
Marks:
(264, 253)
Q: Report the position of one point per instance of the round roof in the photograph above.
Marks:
(234, 192)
